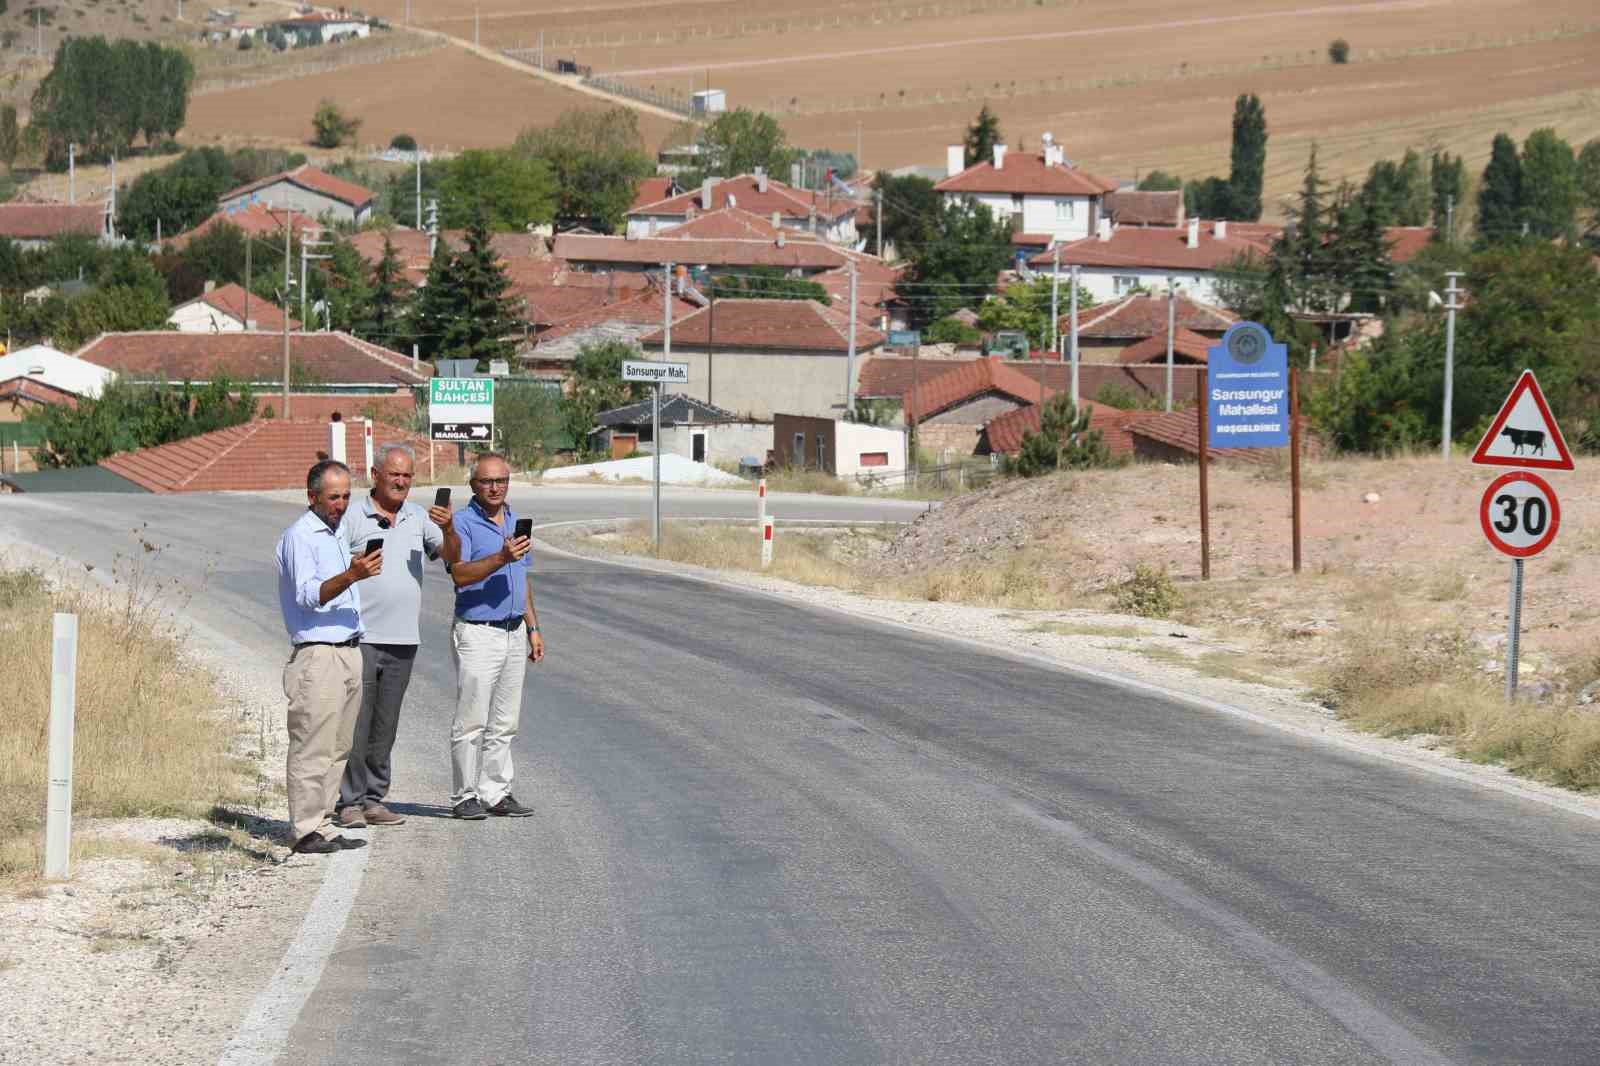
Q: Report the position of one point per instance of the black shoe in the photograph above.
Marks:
(469, 810)
(508, 807)
(316, 844)
(348, 843)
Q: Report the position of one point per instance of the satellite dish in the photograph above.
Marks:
(1434, 300)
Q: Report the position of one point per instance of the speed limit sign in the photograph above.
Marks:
(1520, 514)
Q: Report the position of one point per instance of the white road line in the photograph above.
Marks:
(262, 1035)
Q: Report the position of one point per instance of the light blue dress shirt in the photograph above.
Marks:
(310, 553)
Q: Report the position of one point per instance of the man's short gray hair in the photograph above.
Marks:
(381, 456)
(482, 457)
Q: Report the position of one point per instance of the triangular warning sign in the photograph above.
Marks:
(1524, 433)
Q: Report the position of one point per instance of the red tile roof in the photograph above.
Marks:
(1004, 432)
(653, 251)
(1136, 207)
(230, 300)
(1031, 240)
(395, 407)
(1156, 248)
(1187, 347)
(255, 357)
(34, 222)
(25, 388)
(1025, 174)
(789, 202)
(783, 325)
(259, 455)
(1144, 316)
(309, 177)
(253, 220)
(1406, 241)
(633, 308)
(956, 383)
(1181, 430)
(725, 223)
(650, 191)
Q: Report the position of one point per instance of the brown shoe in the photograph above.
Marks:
(352, 818)
(378, 814)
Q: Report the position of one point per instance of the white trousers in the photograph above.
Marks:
(490, 666)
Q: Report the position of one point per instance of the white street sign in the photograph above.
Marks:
(1520, 514)
(461, 409)
(1524, 432)
(660, 373)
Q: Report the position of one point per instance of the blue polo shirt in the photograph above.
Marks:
(308, 554)
(504, 593)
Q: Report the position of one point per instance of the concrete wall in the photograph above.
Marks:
(198, 317)
(285, 194)
(757, 385)
(1039, 213)
(726, 442)
(853, 440)
(1101, 282)
(795, 441)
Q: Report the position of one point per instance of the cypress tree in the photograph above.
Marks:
(1549, 184)
(1500, 194)
(1249, 158)
(1448, 177)
(982, 136)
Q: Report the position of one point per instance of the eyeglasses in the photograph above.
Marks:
(493, 481)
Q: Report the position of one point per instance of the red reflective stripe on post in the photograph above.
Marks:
(766, 531)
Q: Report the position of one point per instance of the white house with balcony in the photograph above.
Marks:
(1119, 261)
(1043, 196)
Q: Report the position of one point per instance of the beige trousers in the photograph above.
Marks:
(323, 684)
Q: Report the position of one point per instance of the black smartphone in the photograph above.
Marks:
(374, 544)
(524, 528)
(442, 497)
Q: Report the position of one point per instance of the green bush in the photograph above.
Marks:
(403, 142)
(1339, 51)
(1149, 593)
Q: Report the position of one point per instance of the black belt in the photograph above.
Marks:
(351, 643)
(507, 624)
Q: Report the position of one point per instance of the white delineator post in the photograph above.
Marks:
(336, 443)
(766, 542)
(366, 434)
(761, 501)
(63, 712)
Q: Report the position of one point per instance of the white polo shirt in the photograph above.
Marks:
(391, 602)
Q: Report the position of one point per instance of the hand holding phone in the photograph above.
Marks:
(441, 498)
(439, 513)
(524, 528)
(370, 562)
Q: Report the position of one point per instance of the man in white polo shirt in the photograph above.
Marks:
(390, 604)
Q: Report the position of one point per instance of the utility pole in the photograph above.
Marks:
(72, 172)
(850, 353)
(1450, 309)
(113, 209)
(858, 148)
(248, 241)
(283, 300)
(1055, 319)
(655, 407)
(419, 188)
(1073, 344)
(1172, 317)
(306, 256)
(1450, 219)
(476, 40)
(877, 195)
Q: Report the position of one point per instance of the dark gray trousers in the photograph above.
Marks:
(385, 673)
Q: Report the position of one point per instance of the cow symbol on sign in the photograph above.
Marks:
(1532, 439)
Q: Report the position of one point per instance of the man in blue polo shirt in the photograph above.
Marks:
(494, 635)
(322, 613)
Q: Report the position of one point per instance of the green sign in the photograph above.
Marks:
(460, 390)
(461, 409)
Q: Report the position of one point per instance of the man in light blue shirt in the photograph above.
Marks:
(322, 613)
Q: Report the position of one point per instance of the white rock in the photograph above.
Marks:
(1371, 497)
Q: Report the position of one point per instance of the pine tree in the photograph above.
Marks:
(485, 318)
(386, 319)
(437, 304)
(1411, 206)
(982, 136)
(1249, 158)
(1303, 246)
(1500, 194)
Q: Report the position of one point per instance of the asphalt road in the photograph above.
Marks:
(768, 834)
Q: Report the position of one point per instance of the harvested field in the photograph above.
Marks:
(447, 99)
(1126, 87)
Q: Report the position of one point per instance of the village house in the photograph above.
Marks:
(228, 308)
(34, 225)
(954, 401)
(844, 449)
(1119, 261)
(826, 215)
(625, 317)
(761, 356)
(1105, 330)
(254, 220)
(305, 189)
(1044, 196)
(689, 428)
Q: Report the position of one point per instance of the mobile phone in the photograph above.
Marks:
(524, 528)
(442, 497)
(374, 544)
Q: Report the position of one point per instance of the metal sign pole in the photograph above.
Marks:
(1294, 457)
(655, 435)
(1514, 626)
(63, 710)
(1205, 509)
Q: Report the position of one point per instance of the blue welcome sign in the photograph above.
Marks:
(1247, 390)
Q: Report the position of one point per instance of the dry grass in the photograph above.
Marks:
(1403, 680)
(149, 739)
(1077, 629)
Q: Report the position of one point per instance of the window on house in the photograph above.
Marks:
(822, 453)
(1064, 210)
(1122, 284)
(1016, 204)
(874, 459)
(797, 455)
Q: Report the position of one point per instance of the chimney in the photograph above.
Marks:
(211, 286)
(761, 179)
(999, 156)
(250, 325)
(1194, 233)
(653, 223)
(777, 220)
(794, 175)
(955, 160)
(780, 238)
(732, 201)
(1052, 154)
(1103, 229)
(705, 192)
(1220, 228)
